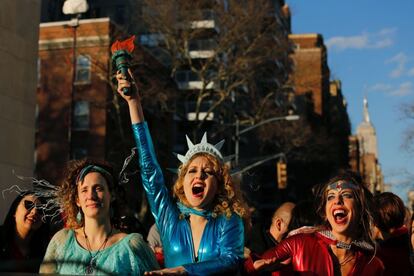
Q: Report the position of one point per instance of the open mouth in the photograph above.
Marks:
(198, 190)
(340, 216)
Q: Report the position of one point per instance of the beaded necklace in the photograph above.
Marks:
(90, 268)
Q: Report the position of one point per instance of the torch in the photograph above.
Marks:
(121, 57)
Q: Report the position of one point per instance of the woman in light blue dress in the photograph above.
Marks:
(201, 228)
(89, 244)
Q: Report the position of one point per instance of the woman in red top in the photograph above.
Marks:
(344, 246)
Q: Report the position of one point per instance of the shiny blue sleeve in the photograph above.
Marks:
(162, 207)
(230, 241)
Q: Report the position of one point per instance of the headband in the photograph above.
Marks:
(92, 168)
(342, 184)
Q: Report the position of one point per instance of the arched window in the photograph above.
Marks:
(83, 69)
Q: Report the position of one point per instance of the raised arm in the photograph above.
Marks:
(161, 204)
(133, 100)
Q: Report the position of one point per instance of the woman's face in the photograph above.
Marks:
(27, 216)
(200, 183)
(93, 196)
(341, 212)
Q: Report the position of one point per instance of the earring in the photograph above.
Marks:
(79, 216)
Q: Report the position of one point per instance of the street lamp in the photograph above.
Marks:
(75, 8)
(247, 129)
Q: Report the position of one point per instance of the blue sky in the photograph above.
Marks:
(371, 50)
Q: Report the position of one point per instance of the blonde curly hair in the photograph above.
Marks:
(68, 191)
(228, 198)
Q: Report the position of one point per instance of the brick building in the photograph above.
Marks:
(85, 119)
(311, 74)
(314, 97)
(323, 107)
(71, 119)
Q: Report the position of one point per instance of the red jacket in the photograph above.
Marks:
(310, 255)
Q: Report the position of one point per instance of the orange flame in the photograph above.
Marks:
(127, 44)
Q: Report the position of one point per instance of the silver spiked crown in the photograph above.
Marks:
(203, 146)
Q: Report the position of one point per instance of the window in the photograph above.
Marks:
(83, 69)
(151, 40)
(202, 45)
(79, 152)
(181, 76)
(188, 80)
(81, 115)
(186, 75)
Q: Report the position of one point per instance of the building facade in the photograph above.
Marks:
(19, 21)
(323, 145)
(72, 106)
(369, 166)
(79, 113)
(209, 60)
(311, 71)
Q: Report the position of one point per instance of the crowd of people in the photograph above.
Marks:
(203, 226)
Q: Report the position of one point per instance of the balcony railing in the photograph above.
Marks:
(188, 80)
(208, 20)
(202, 48)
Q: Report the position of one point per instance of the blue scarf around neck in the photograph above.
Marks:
(186, 211)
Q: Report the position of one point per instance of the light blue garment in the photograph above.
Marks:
(129, 256)
(222, 242)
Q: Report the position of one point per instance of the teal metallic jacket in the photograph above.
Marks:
(222, 242)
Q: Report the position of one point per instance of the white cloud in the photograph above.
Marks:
(381, 39)
(400, 59)
(404, 89)
(380, 87)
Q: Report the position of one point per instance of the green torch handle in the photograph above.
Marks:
(121, 59)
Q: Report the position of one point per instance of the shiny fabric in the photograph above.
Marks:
(310, 254)
(221, 245)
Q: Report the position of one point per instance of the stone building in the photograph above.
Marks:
(369, 165)
(19, 28)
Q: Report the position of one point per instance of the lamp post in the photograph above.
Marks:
(75, 8)
(247, 129)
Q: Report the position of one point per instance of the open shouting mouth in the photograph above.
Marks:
(340, 216)
(198, 190)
